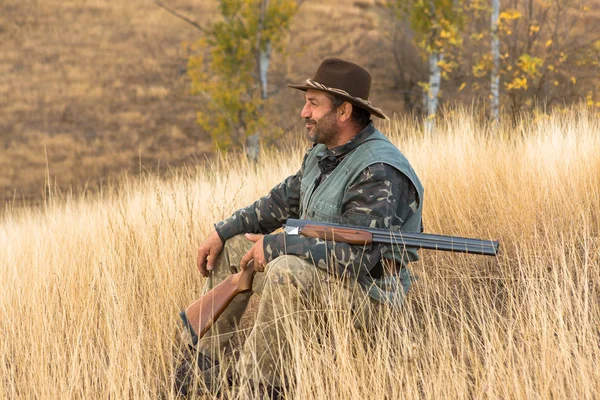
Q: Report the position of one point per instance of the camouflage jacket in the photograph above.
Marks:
(364, 196)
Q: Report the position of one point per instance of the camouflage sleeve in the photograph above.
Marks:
(267, 213)
(372, 201)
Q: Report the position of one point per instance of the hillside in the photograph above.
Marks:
(92, 89)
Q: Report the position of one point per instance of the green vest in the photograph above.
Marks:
(325, 202)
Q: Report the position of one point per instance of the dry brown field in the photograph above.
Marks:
(91, 90)
(92, 286)
(94, 89)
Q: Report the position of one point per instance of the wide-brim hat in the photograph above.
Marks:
(343, 79)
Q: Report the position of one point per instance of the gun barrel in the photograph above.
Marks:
(411, 239)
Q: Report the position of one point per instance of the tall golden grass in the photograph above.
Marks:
(92, 286)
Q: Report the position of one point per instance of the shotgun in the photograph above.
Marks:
(199, 316)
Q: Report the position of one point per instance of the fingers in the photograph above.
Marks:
(206, 261)
(208, 253)
(246, 260)
(253, 237)
(202, 262)
(258, 266)
(252, 260)
(210, 261)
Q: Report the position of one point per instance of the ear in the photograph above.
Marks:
(345, 110)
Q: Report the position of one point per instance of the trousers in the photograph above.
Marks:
(292, 291)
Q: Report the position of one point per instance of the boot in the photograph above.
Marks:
(197, 364)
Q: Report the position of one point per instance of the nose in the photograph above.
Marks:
(305, 111)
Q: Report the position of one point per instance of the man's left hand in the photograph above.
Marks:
(256, 255)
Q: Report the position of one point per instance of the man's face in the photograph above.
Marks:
(321, 120)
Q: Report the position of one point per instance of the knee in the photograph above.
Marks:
(282, 266)
(235, 243)
(289, 270)
(229, 259)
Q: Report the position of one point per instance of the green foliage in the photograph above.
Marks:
(549, 50)
(438, 26)
(224, 69)
(437, 23)
(545, 56)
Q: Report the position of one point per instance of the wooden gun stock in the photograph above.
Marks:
(199, 316)
(342, 235)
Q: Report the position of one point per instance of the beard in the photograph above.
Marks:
(323, 131)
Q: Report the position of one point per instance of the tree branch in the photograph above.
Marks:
(179, 15)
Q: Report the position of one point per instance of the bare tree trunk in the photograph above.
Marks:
(263, 59)
(435, 79)
(495, 78)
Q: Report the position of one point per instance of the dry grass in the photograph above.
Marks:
(91, 287)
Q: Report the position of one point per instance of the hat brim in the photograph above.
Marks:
(353, 100)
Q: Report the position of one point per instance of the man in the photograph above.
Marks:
(352, 175)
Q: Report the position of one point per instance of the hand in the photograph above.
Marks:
(208, 252)
(256, 255)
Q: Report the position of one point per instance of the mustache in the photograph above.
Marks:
(310, 121)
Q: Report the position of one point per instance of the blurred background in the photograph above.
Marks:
(91, 90)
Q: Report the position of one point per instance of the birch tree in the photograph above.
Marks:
(547, 47)
(495, 75)
(535, 55)
(229, 69)
(437, 25)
